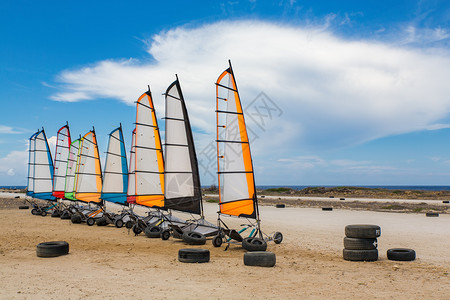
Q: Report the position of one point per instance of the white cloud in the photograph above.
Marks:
(9, 130)
(13, 168)
(332, 92)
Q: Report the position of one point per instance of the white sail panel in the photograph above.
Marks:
(131, 176)
(72, 166)
(31, 150)
(61, 157)
(113, 173)
(43, 165)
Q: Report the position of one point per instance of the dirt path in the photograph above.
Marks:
(108, 263)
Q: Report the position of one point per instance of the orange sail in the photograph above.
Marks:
(89, 173)
(237, 194)
(149, 161)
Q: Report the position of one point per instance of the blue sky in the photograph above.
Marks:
(359, 90)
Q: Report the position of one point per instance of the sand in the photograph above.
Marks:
(111, 263)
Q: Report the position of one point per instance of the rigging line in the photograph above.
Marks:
(42, 178)
(117, 173)
(220, 98)
(85, 155)
(60, 160)
(62, 146)
(229, 112)
(38, 164)
(152, 109)
(89, 174)
(60, 133)
(148, 125)
(176, 172)
(115, 138)
(226, 87)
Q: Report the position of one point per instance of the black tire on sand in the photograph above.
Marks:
(360, 244)
(360, 255)
(401, 254)
(254, 244)
(260, 259)
(24, 207)
(153, 232)
(194, 238)
(193, 255)
(362, 231)
(52, 249)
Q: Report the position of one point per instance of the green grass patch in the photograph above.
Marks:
(279, 190)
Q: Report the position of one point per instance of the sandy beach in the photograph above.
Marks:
(109, 263)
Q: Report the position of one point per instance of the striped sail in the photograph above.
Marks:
(237, 194)
(89, 174)
(30, 181)
(43, 168)
(181, 177)
(61, 157)
(115, 175)
(74, 151)
(149, 162)
(131, 191)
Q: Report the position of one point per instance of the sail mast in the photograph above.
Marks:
(181, 176)
(237, 192)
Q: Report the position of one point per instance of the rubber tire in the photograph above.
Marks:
(217, 241)
(65, 215)
(360, 255)
(34, 212)
(153, 232)
(165, 234)
(75, 219)
(360, 244)
(55, 214)
(194, 238)
(401, 254)
(118, 223)
(277, 237)
(24, 207)
(260, 259)
(327, 208)
(90, 221)
(136, 229)
(43, 213)
(102, 221)
(445, 201)
(432, 214)
(341, 198)
(193, 255)
(362, 231)
(254, 244)
(52, 249)
(129, 224)
(280, 205)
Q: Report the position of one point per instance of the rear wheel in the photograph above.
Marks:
(136, 229)
(217, 241)
(90, 221)
(118, 223)
(34, 211)
(153, 232)
(43, 213)
(129, 224)
(165, 234)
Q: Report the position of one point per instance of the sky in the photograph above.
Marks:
(334, 92)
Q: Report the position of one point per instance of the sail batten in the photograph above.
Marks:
(182, 180)
(115, 176)
(237, 193)
(148, 156)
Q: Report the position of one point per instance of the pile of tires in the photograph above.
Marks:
(257, 255)
(360, 242)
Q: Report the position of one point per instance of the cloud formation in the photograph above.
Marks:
(333, 92)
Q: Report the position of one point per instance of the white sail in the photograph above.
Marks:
(131, 191)
(43, 168)
(71, 169)
(61, 158)
(30, 185)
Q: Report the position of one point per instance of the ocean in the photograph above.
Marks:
(299, 187)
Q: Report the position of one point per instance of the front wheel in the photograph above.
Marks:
(129, 224)
(34, 211)
(278, 237)
(165, 234)
(43, 213)
(217, 241)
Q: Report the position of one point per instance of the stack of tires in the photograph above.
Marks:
(257, 254)
(360, 242)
